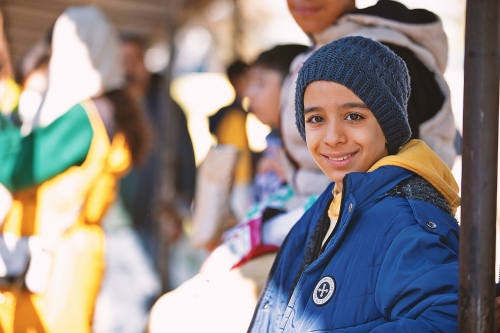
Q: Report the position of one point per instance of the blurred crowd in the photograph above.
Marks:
(98, 180)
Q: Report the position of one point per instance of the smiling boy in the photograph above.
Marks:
(378, 251)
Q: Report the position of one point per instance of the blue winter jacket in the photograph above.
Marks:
(391, 265)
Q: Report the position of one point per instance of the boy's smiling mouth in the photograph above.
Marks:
(342, 158)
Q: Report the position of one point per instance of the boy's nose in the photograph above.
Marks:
(335, 133)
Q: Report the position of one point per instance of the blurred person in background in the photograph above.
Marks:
(138, 187)
(229, 127)
(224, 293)
(131, 283)
(63, 177)
(266, 76)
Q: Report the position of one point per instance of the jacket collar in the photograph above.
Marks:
(364, 187)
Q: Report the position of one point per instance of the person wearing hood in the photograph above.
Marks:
(63, 176)
(378, 251)
(416, 36)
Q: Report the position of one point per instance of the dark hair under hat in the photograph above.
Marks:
(235, 69)
(373, 72)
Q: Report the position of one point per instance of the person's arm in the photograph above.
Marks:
(46, 151)
(417, 287)
(10, 139)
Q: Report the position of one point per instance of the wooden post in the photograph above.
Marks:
(479, 156)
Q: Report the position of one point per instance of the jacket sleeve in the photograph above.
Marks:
(10, 139)
(45, 152)
(417, 287)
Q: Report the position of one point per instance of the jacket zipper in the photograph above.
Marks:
(342, 201)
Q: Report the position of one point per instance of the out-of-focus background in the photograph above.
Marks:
(190, 43)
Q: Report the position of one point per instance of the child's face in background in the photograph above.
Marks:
(342, 134)
(314, 16)
(264, 91)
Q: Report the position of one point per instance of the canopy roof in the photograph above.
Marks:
(27, 21)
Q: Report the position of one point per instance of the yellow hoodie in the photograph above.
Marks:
(416, 157)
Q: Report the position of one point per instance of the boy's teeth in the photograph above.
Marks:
(340, 158)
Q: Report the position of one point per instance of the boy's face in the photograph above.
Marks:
(342, 134)
(314, 16)
(264, 90)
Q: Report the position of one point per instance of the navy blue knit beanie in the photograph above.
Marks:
(373, 72)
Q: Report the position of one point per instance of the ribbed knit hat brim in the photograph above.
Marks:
(373, 72)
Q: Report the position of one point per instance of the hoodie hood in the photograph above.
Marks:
(416, 157)
(419, 30)
(84, 62)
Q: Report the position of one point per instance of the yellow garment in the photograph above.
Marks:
(232, 130)
(65, 211)
(9, 95)
(333, 212)
(420, 159)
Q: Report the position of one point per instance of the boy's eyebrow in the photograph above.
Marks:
(312, 109)
(354, 105)
(349, 105)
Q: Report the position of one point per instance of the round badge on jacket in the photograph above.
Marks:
(324, 291)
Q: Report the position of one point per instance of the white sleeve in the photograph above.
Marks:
(5, 202)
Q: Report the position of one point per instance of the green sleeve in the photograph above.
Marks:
(10, 139)
(46, 151)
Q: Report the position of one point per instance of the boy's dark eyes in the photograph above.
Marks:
(354, 116)
(314, 119)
